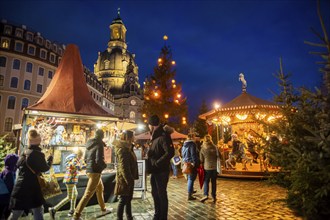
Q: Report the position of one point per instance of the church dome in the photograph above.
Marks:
(115, 59)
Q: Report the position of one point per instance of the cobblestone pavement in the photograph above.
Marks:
(236, 200)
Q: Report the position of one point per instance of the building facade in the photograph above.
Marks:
(28, 63)
(117, 68)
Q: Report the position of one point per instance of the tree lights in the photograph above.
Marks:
(163, 94)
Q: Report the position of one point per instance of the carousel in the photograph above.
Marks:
(244, 154)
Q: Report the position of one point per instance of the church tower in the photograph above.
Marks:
(111, 64)
(117, 68)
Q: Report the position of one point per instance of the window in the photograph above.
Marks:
(2, 80)
(11, 102)
(60, 51)
(25, 103)
(16, 64)
(29, 67)
(41, 71)
(5, 43)
(59, 60)
(7, 30)
(47, 44)
(29, 36)
(40, 40)
(19, 46)
(8, 124)
(27, 85)
(3, 61)
(13, 82)
(55, 47)
(39, 88)
(31, 50)
(50, 74)
(52, 58)
(19, 33)
(43, 54)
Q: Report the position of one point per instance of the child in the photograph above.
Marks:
(73, 165)
(8, 176)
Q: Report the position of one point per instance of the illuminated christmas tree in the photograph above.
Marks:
(163, 95)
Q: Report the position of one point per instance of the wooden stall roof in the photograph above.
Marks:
(68, 91)
(244, 102)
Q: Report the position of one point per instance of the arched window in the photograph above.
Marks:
(132, 115)
(27, 84)
(25, 103)
(2, 80)
(13, 82)
(11, 102)
(3, 61)
(29, 67)
(8, 124)
(16, 64)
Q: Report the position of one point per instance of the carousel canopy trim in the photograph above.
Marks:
(243, 104)
(68, 91)
(70, 115)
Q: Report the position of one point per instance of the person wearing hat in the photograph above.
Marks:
(158, 164)
(95, 164)
(73, 164)
(27, 193)
(7, 176)
(127, 172)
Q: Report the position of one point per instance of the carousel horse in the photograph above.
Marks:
(238, 156)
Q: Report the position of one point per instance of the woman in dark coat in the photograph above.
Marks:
(127, 172)
(27, 193)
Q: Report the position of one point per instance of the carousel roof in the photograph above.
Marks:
(242, 103)
(68, 91)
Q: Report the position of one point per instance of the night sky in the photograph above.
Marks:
(212, 41)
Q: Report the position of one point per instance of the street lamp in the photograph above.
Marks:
(217, 107)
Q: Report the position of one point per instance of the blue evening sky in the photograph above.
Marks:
(212, 41)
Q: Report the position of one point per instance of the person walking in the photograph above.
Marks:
(7, 176)
(158, 164)
(73, 164)
(27, 194)
(189, 154)
(208, 158)
(127, 172)
(95, 164)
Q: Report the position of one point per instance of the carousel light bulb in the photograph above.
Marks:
(173, 62)
(173, 80)
(165, 37)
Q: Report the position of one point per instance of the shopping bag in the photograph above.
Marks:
(187, 168)
(176, 160)
(49, 185)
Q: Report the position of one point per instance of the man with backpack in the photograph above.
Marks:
(160, 152)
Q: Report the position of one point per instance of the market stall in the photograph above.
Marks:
(66, 116)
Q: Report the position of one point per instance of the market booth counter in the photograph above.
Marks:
(66, 116)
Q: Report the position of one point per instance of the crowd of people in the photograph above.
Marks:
(24, 192)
